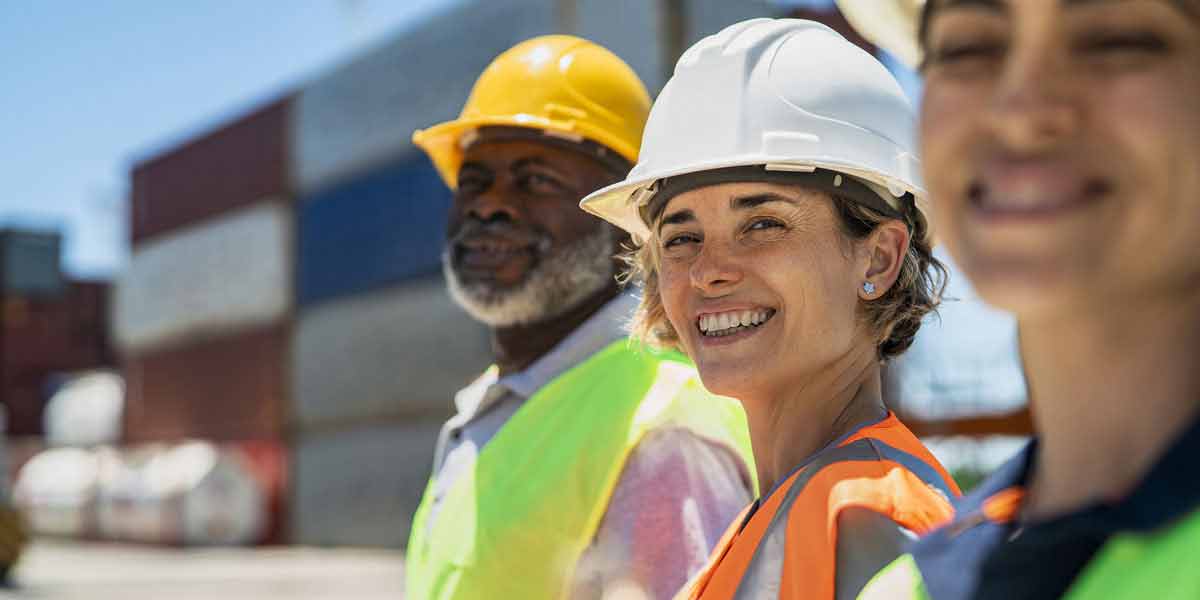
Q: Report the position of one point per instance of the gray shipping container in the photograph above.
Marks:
(359, 486)
(30, 263)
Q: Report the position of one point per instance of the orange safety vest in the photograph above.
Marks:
(881, 467)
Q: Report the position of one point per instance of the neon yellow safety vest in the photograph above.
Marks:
(516, 525)
(1164, 565)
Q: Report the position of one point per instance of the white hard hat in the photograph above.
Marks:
(787, 94)
(889, 24)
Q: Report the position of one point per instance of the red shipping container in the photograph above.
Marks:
(24, 402)
(226, 389)
(69, 333)
(236, 165)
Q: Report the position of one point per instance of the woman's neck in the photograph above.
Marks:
(788, 426)
(1110, 389)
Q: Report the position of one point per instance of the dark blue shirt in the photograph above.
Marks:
(980, 559)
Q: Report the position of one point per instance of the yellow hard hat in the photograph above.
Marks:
(562, 85)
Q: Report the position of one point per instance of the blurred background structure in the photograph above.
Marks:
(257, 347)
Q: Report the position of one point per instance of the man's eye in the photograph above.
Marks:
(472, 184)
(540, 183)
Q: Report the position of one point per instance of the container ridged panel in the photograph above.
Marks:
(218, 277)
(359, 486)
(227, 389)
(364, 113)
(233, 166)
(378, 229)
(391, 354)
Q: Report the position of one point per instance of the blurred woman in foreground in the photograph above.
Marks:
(1062, 147)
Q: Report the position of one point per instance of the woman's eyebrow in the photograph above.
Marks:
(676, 218)
(754, 200)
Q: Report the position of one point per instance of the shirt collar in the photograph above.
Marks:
(604, 327)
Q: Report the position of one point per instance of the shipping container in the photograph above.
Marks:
(373, 231)
(363, 114)
(236, 165)
(24, 401)
(30, 263)
(360, 486)
(39, 335)
(394, 353)
(218, 277)
(227, 389)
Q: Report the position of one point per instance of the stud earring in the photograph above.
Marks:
(868, 287)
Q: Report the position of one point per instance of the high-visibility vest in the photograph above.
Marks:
(881, 467)
(516, 525)
(1163, 565)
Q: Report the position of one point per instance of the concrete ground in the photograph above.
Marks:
(67, 570)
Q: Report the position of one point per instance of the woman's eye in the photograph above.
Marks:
(680, 240)
(763, 224)
(1119, 43)
(958, 53)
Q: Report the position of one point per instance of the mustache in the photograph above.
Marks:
(537, 238)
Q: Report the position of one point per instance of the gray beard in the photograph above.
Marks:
(558, 283)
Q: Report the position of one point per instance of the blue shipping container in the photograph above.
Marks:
(377, 229)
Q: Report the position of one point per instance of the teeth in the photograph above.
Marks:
(731, 322)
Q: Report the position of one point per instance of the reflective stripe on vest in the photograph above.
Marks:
(801, 528)
(516, 524)
(763, 577)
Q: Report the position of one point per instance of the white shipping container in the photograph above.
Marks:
(365, 112)
(216, 277)
(361, 486)
(388, 354)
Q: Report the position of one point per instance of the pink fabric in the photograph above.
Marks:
(676, 496)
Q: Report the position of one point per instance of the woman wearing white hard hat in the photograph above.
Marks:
(781, 247)
(1062, 147)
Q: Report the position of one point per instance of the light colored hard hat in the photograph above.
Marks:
(889, 24)
(562, 85)
(789, 94)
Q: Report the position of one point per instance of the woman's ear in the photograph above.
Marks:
(884, 250)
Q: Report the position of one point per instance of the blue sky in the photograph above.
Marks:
(90, 87)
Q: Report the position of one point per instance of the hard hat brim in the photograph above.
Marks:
(443, 142)
(616, 204)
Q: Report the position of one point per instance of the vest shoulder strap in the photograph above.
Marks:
(868, 473)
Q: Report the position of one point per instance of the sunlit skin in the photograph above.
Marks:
(809, 373)
(1061, 146)
(529, 189)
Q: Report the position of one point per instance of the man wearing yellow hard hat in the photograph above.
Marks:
(580, 465)
(1060, 141)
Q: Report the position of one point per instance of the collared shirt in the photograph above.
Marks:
(978, 558)
(676, 495)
